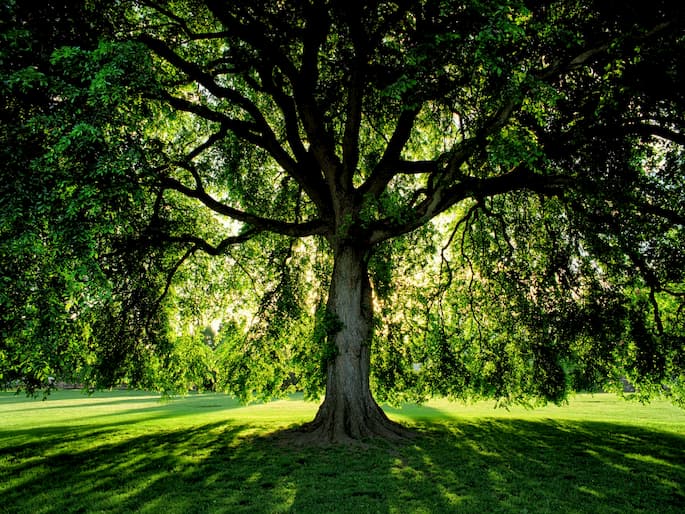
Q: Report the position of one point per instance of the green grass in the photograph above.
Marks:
(130, 452)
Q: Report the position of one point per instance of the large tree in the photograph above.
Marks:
(543, 140)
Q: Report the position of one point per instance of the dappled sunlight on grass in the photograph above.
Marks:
(205, 453)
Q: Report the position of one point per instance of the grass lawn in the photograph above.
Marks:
(130, 452)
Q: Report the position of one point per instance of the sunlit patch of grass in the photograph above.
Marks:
(126, 452)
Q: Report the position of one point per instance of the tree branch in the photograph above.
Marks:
(442, 198)
(447, 185)
(355, 96)
(280, 227)
(197, 244)
(202, 111)
(203, 78)
(647, 129)
(272, 85)
(204, 246)
(167, 285)
(305, 171)
(305, 174)
(268, 140)
(252, 32)
(386, 167)
(321, 141)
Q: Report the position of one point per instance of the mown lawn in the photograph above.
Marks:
(130, 452)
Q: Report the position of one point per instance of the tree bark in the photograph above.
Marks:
(349, 412)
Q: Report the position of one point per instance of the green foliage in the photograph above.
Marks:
(524, 312)
(283, 344)
(513, 173)
(191, 365)
(69, 199)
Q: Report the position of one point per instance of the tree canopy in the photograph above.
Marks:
(463, 198)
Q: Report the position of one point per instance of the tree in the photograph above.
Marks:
(544, 141)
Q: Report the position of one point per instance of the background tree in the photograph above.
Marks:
(488, 195)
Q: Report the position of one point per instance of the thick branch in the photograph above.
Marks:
(321, 142)
(583, 58)
(387, 166)
(355, 95)
(447, 185)
(647, 129)
(268, 141)
(306, 172)
(254, 33)
(669, 214)
(249, 29)
(197, 74)
(272, 84)
(203, 111)
(219, 249)
(441, 199)
(258, 222)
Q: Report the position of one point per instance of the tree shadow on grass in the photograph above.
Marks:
(486, 465)
(546, 466)
(508, 466)
(101, 468)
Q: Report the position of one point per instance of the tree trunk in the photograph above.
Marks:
(349, 411)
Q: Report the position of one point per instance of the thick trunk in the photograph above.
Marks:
(349, 411)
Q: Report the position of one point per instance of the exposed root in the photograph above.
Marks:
(329, 431)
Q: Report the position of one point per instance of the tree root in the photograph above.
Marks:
(330, 430)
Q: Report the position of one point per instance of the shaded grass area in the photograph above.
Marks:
(125, 452)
